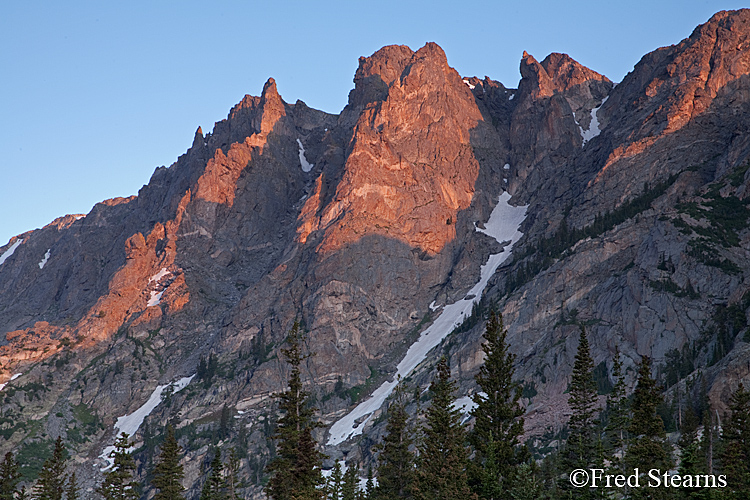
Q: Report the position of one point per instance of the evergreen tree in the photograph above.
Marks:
(9, 477)
(168, 472)
(215, 487)
(618, 407)
(334, 482)
(232, 468)
(580, 451)
(692, 460)
(350, 486)
(72, 490)
(119, 483)
(22, 494)
(295, 472)
(443, 456)
(369, 485)
(526, 486)
(396, 460)
(648, 448)
(498, 416)
(735, 438)
(51, 482)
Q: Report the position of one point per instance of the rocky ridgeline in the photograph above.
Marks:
(363, 225)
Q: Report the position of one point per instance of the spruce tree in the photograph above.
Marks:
(443, 456)
(168, 472)
(498, 416)
(72, 489)
(618, 420)
(350, 486)
(119, 483)
(580, 451)
(295, 472)
(735, 437)
(692, 460)
(9, 477)
(215, 487)
(648, 448)
(335, 482)
(396, 460)
(232, 468)
(52, 478)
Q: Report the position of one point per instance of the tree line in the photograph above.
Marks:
(435, 455)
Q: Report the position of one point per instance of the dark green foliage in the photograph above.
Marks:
(526, 485)
(617, 414)
(72, 490)
(396, 460)
(443, 456)
(498, 415)
(580, 451)
(207, 369)
(334, 483)
(350, 486)
(295, 471)
(52, 478)
(735, 438)
(9, 477)
(119, 483)
(692, 456)
(648, 447)
(168, 472)
(215, 488)
(544, 252)
(225, 422)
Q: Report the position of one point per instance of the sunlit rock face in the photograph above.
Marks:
(366, 226)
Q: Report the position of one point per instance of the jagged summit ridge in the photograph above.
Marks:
(380, 229)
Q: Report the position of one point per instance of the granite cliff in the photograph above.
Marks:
(372, 227)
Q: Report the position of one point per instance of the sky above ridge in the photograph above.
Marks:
(94, 97)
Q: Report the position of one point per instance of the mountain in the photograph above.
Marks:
(569, 200)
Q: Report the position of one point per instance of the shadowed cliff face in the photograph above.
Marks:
(356, 223)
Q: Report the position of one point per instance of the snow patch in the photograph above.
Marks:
(506, 166)
(156, 277)
(306, 166)
(2, 386)
(433, 307)
(130, 423)
(466, 81)
(10, 251)
(503, 226)
(511, 97)
(45, 259)
(155, 299)
(593, 130)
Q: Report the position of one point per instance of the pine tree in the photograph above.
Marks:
(350, 486)
(692, 460)
(648, 448)
(396, 460)
(618, 407)
(9, 477)
(72, 490)
(215, 487)
(168, 472)
(295, 472)
(735, 437)
(580, 451)
(443, 456)
(498, 415)
(119, 483)
(526, 486)
(334, 482)
(51, 482)
(232, 468)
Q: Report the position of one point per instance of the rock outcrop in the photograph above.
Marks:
(364, 225)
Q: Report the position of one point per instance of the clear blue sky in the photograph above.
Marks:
(95, 95)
